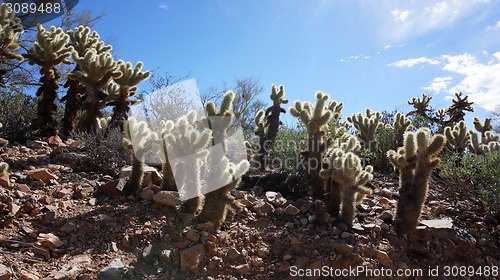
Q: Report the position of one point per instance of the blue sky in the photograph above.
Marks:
(375, 54)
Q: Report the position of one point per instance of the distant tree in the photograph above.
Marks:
(246, 103)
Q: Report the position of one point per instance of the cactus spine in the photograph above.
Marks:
(98, 68)
(50, 49)
(314, 117)
(131, 76)
(456, 137)
(348, 176)
(81, 39)
(10, 29)
(367, 127)
(138, 140)
(268, 122)
(416, 161)
(3, 168)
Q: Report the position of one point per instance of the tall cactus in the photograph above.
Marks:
(416, 160)
(367, 127)
(268, 122)
(401, 124)
(138, 140)
(219, 120)
(488, 143)
(82, 39)
(457, 108)
(49, 50)
(346, 171)
(168, 182)
(98, 68)
(10, 29)
(421, 105)
(314, 117)
(456, 137)
(131, 76)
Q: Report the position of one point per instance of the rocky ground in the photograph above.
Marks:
(61, 220)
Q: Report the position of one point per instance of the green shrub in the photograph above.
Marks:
(17, 113)
(289, 143)
(480, 171)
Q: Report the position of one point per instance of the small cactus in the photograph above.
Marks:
(456, 137)
(138, 140)
(401, 125)
(219, 120)
(367, 127)
(489, 142)
(3, 168)
(416, 160)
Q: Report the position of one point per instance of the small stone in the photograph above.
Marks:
(14, 208)
(241, 269)
(275, 198)
(37, 250)
(294, 240)
(34, 144)
(28, 276)
(49, 240)
(191, 257)
(208, 226)
(383, 200)
(147, 194)
(68, 227)
(443, 223)
(92, 201)
(182, 244)
(384, 259)
(23, 187)
(55, 140)
(113, 189)
(46, 199)
(114, 271)
(192, 235)
(292, 210)
(385, 216)
(264, 208)
(232, 254)
(345, 235)
(167, 198)
(5, 181)
(43, 174)
(5, 272)
(336, 231)
(342, 248)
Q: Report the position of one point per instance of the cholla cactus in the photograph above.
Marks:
(314, 117)
(131, 76)
(168, 182)
(489, 142)
(456, 137)
(81, 39)
(3, 142)
(10, 29)
(421, 106)
(483, 127)
(268, 122)
(457, 108)
(98, 68)
(102, 123)
(3, 168)
(347, 177)
(187, 145)
(401, 125)
(367, 127)
(416, 161)
(49, 50)
(138, 140)
(219, 120)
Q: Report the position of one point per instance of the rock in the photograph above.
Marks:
(182, 244)
(167, 199)
(71, 269)
(191, 257)
(384, 259)
(275, 198)
(241, 269)
(28, 276)
(147, 194)
(55, 140)
(38, 250)
(49, 240)
(76, 161)
(192, 235)
(264, 208)
(232, 254)
(443, 223)
(208, 226)
(68, 227)
(23, 187)
(60, 193)
(5, 273)
(385, 216)
(46, 199)
(305, 207)
(149, 172)
(14, 208)
(346, 235)
(114, 271)
(336, 231)
(5, 181)
(292, 210)
(43, 174)
(113, 189)
(342, 248)
(35, 144)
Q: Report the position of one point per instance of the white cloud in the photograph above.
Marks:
(480, 81)
(400, 15)
(400, 20)
(413, 61)
(163, 6)
(496, 26)
(439, 84)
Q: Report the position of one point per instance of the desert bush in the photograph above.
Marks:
(481, 172)
(17, 112)
(289, 143)
(104, 147)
